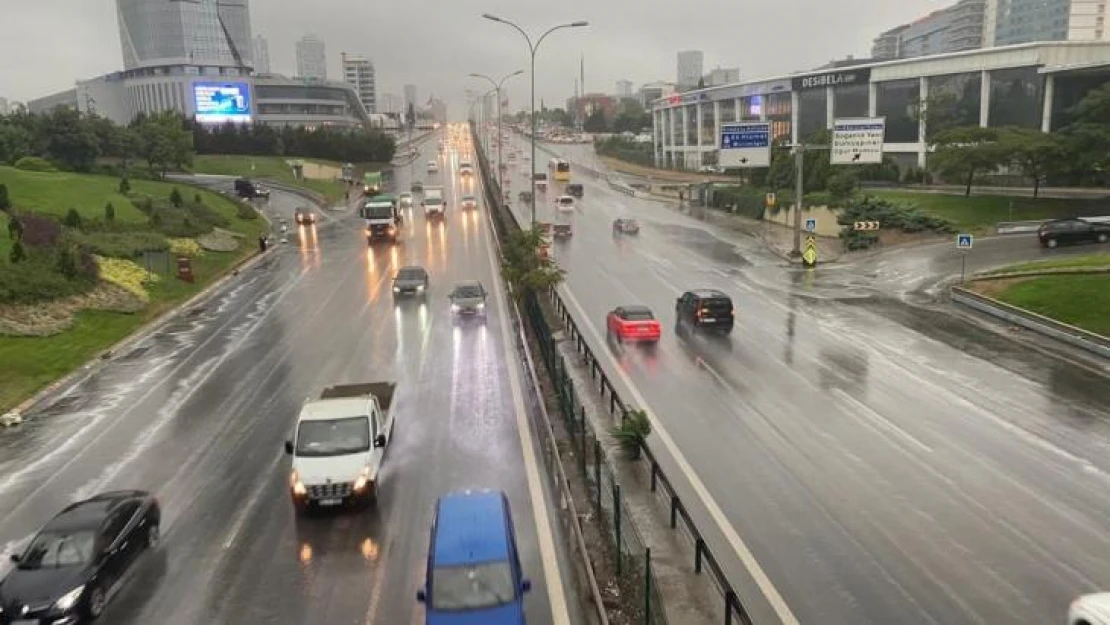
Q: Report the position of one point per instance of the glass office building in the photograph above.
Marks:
(163, 33)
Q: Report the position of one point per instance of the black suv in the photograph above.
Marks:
(705, 308)
(1063, 231)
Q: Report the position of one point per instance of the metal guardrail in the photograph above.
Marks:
(552, 460)
(604, 491)
(1040, 324)
(1027, 227)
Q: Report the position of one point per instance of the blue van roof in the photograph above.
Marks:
(470, 527)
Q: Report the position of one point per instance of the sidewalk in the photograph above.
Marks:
(688, 598)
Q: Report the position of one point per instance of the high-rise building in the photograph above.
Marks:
(389, 103)
(722, 76)
(437, 109)
(952, 29)
(652, 91)
(689, 68)
(159, 33)
(409, 92)
(5, 109)
(358, 72)
(312, 58)
(261, 55)
(624, 88)
(1024, 21)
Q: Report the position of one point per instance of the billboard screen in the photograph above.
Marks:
(219, 102)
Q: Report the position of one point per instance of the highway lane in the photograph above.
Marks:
(197, 413)
(883, 463)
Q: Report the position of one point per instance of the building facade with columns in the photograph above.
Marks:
(1029, 85)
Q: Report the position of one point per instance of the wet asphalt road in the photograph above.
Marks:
(198, 412)
(884, 463)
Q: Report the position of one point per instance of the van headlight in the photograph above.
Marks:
(363, 479)
(454, 308)
(69, 600)
(419, 287)
(481, 306)
(296, 485)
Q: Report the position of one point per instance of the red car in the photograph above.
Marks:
(634, 323)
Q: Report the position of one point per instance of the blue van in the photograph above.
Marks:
(474, 574)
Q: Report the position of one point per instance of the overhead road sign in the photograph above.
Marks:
(964, 241)
(745, 144)
(858, 141)
(866, 225)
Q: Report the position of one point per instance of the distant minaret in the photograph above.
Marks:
(582, 73)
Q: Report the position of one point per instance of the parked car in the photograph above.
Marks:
(1068, 231)
(73, 565)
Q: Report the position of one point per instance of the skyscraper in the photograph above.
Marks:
(312, 58)
(1023, 21)
(358, 72)
(261, 55)
(624, 88)
(689, 68)
(159, 33)
(409, 92)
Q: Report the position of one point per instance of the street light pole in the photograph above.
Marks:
(532, 51)
(497, 89)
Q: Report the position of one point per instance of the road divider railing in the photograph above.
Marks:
(561, 489)
(1078, 337)
(611, 511)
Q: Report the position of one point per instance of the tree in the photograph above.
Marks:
(124, 186)
(15, 142)
(72, 219)
(1032, 151)
(596, 122)
(165, 142)
(524, 268)
(18, 253)
(109, 213)
(70, 140)
(5, 201)
(176, 199)
(15, 228)
(1086, 136)
(965, 151)
(941, 111)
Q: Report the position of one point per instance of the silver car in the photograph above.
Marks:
(468, 299)
(411, 280)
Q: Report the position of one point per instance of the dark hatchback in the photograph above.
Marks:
(708, 309)
(411, 280)
(1069, 231)
(71, 567)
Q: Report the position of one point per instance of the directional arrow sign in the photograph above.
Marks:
(809, 255)
(858, 141)
(745, 144)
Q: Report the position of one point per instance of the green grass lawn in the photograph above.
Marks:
(1079, 300)
(275, 168)
(1101, 259)
(979, 213)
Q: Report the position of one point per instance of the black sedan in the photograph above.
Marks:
(1065, 231)
(71, 567)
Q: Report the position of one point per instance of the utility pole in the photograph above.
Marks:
(799, 196)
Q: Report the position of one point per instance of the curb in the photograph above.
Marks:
(95, 361)
(1076, 337)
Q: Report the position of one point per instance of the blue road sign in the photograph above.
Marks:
(964, 241)
(811, 225)
(740, 138)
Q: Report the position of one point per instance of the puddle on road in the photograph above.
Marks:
(703, 243)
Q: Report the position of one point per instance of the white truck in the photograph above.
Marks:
(433, 203)
(339, 444)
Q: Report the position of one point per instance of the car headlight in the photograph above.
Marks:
(481, 306)
(69, 600)
(295, 483)
(396, 289)
(363, 478)
(420, 287)
(454, 308)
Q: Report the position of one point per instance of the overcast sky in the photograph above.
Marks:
(434, 44)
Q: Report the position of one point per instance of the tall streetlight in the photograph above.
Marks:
(497, 89)
(532, 50)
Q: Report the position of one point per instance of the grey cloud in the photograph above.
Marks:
(435, 43)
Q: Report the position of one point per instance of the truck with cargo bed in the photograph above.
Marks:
(433, 202)
(339, 444)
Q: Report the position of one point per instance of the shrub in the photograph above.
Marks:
(39, 230)
(36, 279)
(145, 205)
(34, 163)
(904, 217)
(122, 244)
(197, 199)
(109, 213)
(72, 219)
(127, 275)
(176, 199)
(18, 254)
(68, 262)
(15, 229)
(194, 220)
(5, 201)
(124, 186)
(246, 211)
(185, 247)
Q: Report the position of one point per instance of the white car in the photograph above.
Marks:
(1092, 609)
(565, 203)
(433, 167)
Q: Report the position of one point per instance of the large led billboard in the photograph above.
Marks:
(220, 102)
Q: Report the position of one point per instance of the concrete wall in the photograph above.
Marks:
(826, 219)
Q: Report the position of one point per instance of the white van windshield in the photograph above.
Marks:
(333, 437)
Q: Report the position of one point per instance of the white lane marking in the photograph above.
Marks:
(778, 604)
(556, 594)
(863, 410)
(246, 510)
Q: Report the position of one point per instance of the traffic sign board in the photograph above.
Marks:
(809, 255)
(771, 200)
(866, 225)
(964, 241)
(745, 144)
(811, 225)
(858, 141)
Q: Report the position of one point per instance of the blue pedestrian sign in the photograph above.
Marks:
(964, 241)
(811, 225)
(745, 144)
